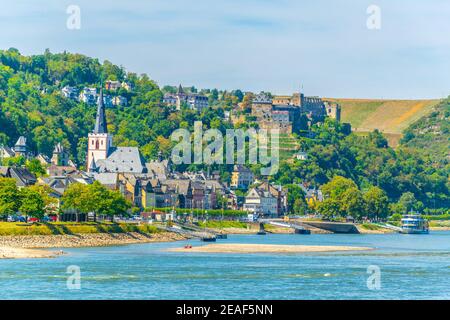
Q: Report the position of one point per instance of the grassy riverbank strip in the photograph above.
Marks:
(70, 228)
(440, 225)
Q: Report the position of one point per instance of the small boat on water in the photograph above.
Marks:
(414, 223)
(208, 239)
(302, 231)
(221, 236)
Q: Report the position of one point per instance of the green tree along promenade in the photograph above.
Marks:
(95, 198)
(32, 201)
(343, 198)
(35, 201)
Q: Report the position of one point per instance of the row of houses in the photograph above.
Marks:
(148, 191)
(60, 156)
(158, 187)
(267, 200)
(194, 101)
(114, 85)
(163, 188)
(154, 184)
(89, 95)
(22, 175)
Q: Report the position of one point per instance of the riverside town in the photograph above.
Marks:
(213, 156)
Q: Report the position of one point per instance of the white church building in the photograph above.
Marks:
(102, 156)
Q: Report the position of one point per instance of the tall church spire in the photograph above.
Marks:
(100, 121)
(180, 90)
(92, 166)
(100, 141)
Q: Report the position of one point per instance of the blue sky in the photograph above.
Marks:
(274, 45)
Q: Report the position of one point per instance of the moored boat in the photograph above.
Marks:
(208, 239)
(414, 223)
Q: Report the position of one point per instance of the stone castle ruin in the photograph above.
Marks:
(292, 113)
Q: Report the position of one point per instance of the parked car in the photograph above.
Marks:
(50, 218)
(13, 218)
(33, 220)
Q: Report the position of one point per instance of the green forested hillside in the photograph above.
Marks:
(31, 105)
(368, 161)
(431, 134)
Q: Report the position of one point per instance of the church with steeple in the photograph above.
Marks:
(102, 156)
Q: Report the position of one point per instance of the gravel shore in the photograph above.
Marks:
(86, 240)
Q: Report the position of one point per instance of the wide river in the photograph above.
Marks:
(410, 267)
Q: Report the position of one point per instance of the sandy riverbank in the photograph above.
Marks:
(21, 253)
(363, 230)
(439, 228)
(264, 248)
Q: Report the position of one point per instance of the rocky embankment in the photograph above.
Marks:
(254, 228)
(86, 240)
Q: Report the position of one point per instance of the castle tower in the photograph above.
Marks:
(20, 148)
(333, 110)
(60, 156)
(181, 96)
(99, 142)
(338, 112)
(180, 90)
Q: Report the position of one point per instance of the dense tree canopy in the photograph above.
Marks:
(343, 198)
(31, 201)
(368, 162)
(9, 196)
(94, 198)
(32, 105)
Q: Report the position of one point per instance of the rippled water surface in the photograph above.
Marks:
(412, 267)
